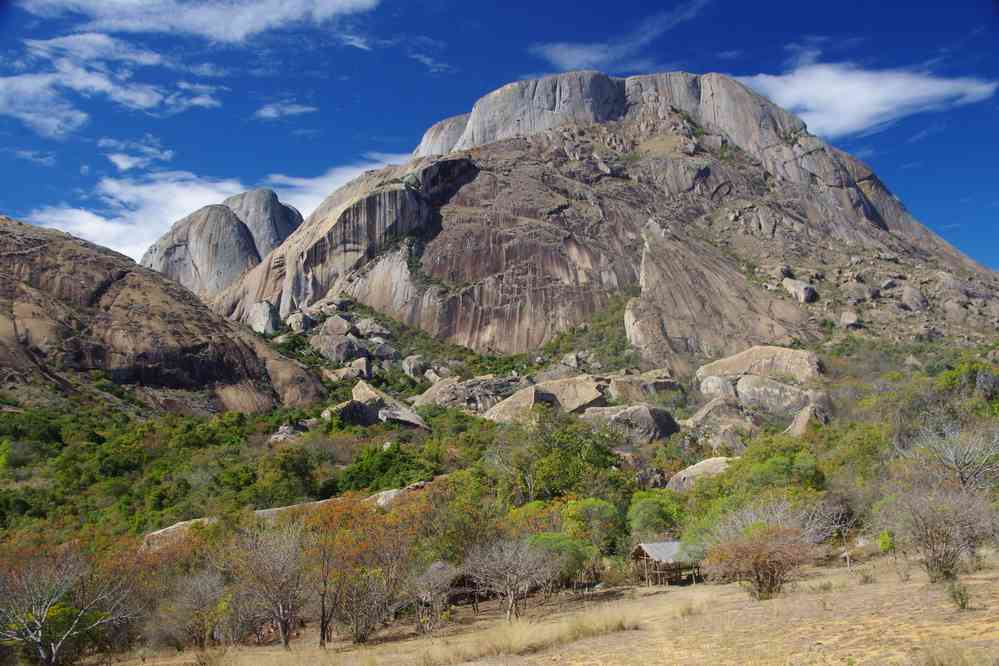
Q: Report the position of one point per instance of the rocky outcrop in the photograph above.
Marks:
(811, 414)
(206, 251)
(269, 221)
(442, 136)
(213, 247)
(637, 424)
(773, 362)
(560, 194)
(571, 395)
(476, 396)
(685, 479)
(69, 308)
(387, 408)
(765, 379)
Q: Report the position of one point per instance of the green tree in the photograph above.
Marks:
(653, 513)
(593, 520)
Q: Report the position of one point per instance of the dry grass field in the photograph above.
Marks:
(832, 616)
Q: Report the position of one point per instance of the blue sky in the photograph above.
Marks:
(117, 117)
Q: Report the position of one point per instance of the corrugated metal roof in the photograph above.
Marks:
(665, 551)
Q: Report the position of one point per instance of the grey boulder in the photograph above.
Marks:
(638, 424)
(263, 318)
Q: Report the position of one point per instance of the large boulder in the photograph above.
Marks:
(387, 408)
(685, 479)
(415, 366)
(263, 318)
(802, 291)
(913, 299)
(638, 424)
(337, 325)
(337, 348)
(477, 395)
(639, 388)
(770, 396)
(811, 414)
(766, 361)
(573, 395)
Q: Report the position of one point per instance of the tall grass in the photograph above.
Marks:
(523, 637)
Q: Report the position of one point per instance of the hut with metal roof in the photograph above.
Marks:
(664, 563)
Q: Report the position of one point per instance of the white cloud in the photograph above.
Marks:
(306, 194)
(223, 21)
(622, 53)
(840, 99)
(435, 66)
(35, 100)
(133, 212)
(36, 157)
(278, 110)
(96, 47)
(40, 99)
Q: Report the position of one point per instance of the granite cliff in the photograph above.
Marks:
(211, 248)
(729, 221)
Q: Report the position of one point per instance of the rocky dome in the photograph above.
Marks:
(69, 308)
(211, 248)
(554, 196)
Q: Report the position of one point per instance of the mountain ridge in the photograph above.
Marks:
(553, 195)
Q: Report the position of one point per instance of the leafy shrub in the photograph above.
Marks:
(385, 467)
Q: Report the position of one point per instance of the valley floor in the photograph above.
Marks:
(832, 616)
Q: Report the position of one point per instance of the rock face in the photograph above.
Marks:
(68, 307)
(213, 247)
(638, 424)
(554, 196)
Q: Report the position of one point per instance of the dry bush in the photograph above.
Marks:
(522, 638)
(969, 456)
(270, 566)
(510, 568)
(58, 601)
(763, 545)
(944, 522)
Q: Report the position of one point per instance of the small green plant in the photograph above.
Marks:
(866, 576)
(959, 595)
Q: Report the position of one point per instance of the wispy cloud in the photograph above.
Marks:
(730, 55)
(435, 66)
(131, 213)
(925, 133)
(89, 65)
(277, 110)
(128, 155)
(230, 22)
(842, 99)
(35, 157)
(622, 53)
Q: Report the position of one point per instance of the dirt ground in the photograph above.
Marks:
(831, 616)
